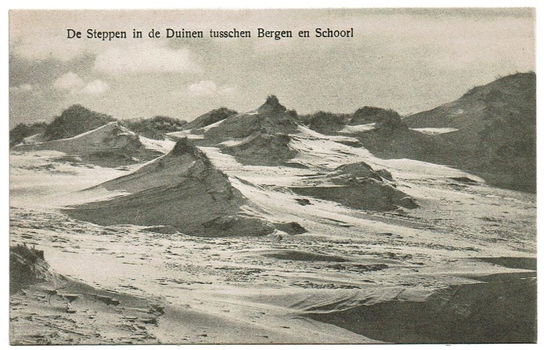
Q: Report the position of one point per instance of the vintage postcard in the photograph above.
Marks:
(308, 176)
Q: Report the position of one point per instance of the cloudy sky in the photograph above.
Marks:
(407, 60)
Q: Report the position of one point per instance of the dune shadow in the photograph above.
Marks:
(502, 310)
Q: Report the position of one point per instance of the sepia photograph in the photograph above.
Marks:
(272, 176)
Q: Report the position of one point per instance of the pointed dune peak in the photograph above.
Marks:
(184, 160)
(272, 105)
(185, 151)
(182, 190)
(185, 146)
(271, 118)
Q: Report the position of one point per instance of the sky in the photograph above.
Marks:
(408, 60)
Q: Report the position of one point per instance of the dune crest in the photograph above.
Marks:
(182, 189)
(108, 145)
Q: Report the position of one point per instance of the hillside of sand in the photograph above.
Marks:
(109, 145)
(494, 127)
(432, 252)
(183, 181)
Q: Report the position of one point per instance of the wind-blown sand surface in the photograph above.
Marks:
(459, 268)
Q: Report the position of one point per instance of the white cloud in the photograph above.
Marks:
(69, 81)
(146, 58)
(209, 88)
(227, 90)
(22, 88)
(95, 87)
(203, 88)
(72, 83)
(39, 49)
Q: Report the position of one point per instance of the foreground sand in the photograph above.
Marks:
(500, 309)
(422, 275)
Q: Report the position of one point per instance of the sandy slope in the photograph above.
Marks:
(58, 310)
(496, 131)
(320, 286)
(108, 145)
(163, 191)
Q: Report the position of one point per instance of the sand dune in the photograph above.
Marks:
(165, 191)
(270, 118)
(257, 229)
(108, 145)
(358, 186)
(261, 149)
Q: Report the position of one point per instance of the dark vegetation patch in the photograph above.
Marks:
(156, 127)
(74, 121)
